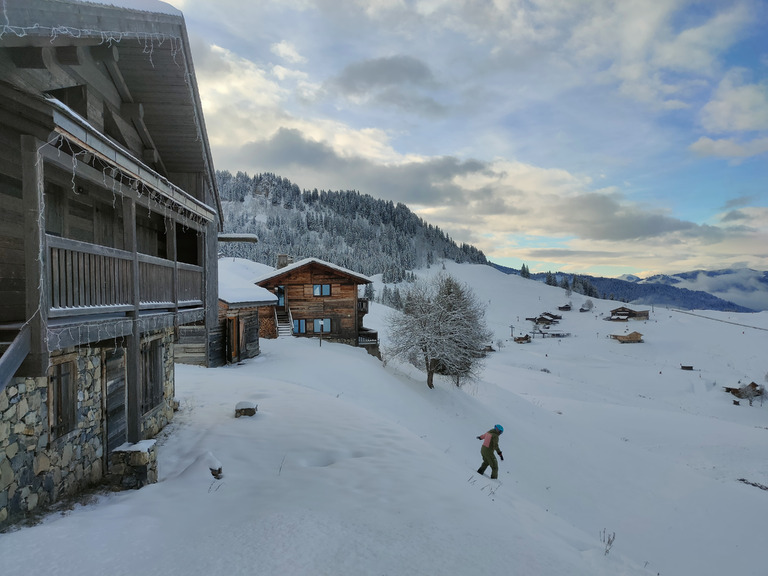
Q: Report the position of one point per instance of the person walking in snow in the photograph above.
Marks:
(490, 445)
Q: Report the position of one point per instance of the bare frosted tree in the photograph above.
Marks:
(441, 329)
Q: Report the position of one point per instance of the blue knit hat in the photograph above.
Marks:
(500, 428)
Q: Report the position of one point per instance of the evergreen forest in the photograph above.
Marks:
(350, 229)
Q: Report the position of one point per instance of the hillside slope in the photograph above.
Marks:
(353, 467)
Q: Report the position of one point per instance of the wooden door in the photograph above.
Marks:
(234, 338)
(114, 363)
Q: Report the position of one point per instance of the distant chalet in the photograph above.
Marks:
(631, 338)
(622, 314)
(317, 299)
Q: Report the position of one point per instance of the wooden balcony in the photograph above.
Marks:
(86, 279)
(362, 306)
(89, 293)
(367, 337)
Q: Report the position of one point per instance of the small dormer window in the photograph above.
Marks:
(321, 290)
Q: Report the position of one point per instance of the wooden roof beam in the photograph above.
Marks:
(110, 56)
(68, 55)
(27, 57)
(136, 113)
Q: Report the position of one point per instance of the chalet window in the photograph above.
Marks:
(300, 326)
(62, 398)
(152, 375)
(322, 325)
(321, 290)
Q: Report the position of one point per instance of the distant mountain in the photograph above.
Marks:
(670, 291)
(743, 286)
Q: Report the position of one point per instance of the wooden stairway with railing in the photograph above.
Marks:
(15, 345)
(284, 327)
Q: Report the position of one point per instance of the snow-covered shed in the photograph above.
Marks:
(239, 302)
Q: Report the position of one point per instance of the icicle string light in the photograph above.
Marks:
(147, 40)
(121, 182)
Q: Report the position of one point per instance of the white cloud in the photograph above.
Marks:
(637, 43)
(287, 52)
(729, 148)
(697, 48)
(376, 7)
(736, 106)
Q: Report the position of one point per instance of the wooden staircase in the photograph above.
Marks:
(14, 346)
(284, 327)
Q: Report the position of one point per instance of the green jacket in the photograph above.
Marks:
(491, 440)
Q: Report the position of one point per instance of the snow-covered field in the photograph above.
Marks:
(352, 467)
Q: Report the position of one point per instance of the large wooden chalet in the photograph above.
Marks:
(622, 313)
(108, 221)
(318, 299)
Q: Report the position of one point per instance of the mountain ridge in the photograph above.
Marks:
(374, 236)
(641, 291)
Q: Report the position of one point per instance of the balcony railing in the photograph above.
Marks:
(367, 337)
(89, 279)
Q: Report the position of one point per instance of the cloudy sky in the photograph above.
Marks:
(597, 136)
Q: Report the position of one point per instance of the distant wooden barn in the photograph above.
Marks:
(631, 338)
(750, 390)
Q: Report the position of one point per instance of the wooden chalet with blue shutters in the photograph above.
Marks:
(108, 220)
(319, 299)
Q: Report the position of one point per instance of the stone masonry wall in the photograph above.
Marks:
(36, 469)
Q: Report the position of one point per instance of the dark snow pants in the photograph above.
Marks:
(489, 459)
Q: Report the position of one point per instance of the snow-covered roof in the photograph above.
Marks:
(307, 261)
(138, 5)
(237, 286)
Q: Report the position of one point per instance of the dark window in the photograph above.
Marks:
(62, 395)
(188, 245)
(152, 375)
(322, 325)
(300, 326)
(321, 290)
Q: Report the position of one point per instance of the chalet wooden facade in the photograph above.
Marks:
(319, 299)
(623, 313)
(108, 221)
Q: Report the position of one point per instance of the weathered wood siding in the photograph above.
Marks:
(248, 319)
(240, 331)
(191, 345)
(12, 267)
(216, 346)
